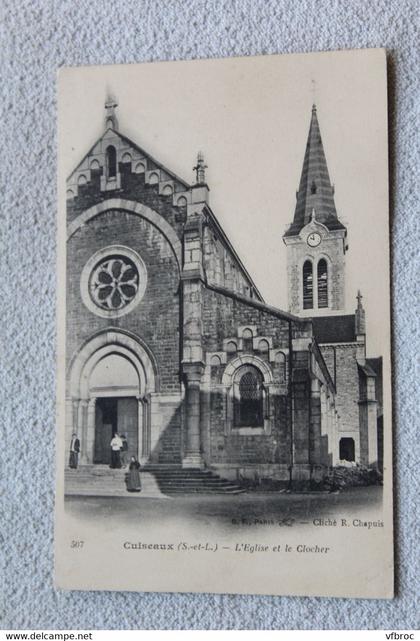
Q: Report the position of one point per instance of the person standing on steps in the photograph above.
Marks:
(116, 445)
(74, 452)
(133, 476)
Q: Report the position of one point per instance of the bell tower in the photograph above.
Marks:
(316, 239)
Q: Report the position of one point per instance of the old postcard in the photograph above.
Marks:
(224, 401)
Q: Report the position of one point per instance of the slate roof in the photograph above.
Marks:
(367, 370)
(334, 329)
(375, 364)
(315, 189)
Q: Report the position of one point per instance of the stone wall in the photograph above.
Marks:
(341, 361)
(224, 320)
(223, 315)
(135, 187)
(155, 320)
(221, 266)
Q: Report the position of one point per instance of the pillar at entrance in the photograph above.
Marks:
(83, 431)
(193, 374)
(143, 450)
(89, 445)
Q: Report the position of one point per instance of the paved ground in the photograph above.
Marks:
(227, 512)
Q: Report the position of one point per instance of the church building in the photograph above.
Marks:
(169, 341)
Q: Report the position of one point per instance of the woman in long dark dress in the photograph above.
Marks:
(133, 476)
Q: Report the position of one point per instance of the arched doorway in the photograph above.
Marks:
(114, 382)
(346, 449)
(111, 381)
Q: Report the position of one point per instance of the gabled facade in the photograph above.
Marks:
(169, 340)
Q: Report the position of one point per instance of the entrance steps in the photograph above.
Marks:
(100, 480)
(158, 481)
(173, 479)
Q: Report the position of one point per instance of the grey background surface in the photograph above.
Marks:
(38, 37)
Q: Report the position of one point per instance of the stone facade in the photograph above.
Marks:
(330, 249)
(168, 337)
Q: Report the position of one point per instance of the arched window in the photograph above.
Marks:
(215, 364)
(322, 277)
(308, 286)
(248, 398)
(140, 168)
(280, 360)
(231, 348)
(263, 348)
(247, 340)
(111, 162)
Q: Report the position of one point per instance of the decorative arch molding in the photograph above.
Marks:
(100, 345)
(246, 359)
(102, 353)
(236, 365)
(135, 208)
(314, 259)
(314, 225)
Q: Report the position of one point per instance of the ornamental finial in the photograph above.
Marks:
(200, 170)
(359, 317)
(111, 121)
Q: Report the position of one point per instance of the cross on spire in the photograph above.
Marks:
(359, 299)
(313, 87)
(200, 170)
(111, 121)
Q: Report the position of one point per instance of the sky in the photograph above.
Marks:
(250, 117)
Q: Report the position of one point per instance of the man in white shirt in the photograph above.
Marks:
(116, 445)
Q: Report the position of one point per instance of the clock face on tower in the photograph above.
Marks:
(313, 239)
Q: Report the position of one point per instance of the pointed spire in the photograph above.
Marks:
(315, 189)
(359, 318)
(200, 170)
(111, 121)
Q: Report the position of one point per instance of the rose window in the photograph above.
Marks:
(114, 283)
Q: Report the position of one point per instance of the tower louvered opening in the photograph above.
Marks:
(308, 286)
(322, 278)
